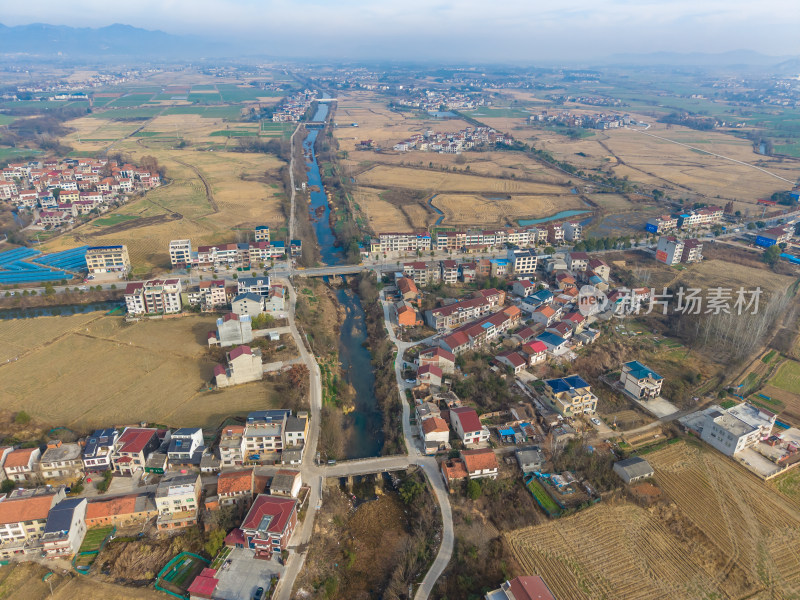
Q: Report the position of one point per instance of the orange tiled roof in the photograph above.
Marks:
(479, 460)
(235, 482)
(124, 505)
(19, 458)
(25, 509)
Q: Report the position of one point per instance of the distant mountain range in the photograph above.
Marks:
(40, 39)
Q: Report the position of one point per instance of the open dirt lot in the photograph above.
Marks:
(102, 372)
(727, 535)
(244, 192)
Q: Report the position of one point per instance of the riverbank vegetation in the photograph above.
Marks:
(383, 355)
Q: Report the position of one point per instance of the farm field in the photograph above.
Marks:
(472, 209)
(677, 169)
(382, 215)
(418, 179)
(104, 371)
(19, 336)
(783, 392)
(724, 535)
(243, 196)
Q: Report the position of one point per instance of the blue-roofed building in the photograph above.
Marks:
(500, 267)
(639, 381)
(262, 233)
(555, 343)
(65, 528)
(268, 416)
(97, 450)
(570, 396)
(296, 247)
(255, 285)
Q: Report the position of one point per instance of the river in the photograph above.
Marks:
(53, 311)
(365, 433)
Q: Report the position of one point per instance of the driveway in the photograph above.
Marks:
(244, 575)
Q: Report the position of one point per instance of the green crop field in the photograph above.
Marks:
(113, 220)
(102, 101)
(497, 113)
(543, 497)
(205, 98)
(142, 112)
(230, 113)
(14, 153)
(234, 133)
(788, 377)
(94, 537)
(130, 100)
(233, 93)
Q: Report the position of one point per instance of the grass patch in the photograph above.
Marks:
(149, 133)
(788, 377)
(234, 133)
(113, 220)
(15, 153)
(130, 100)
(726, 404)
(143, 112)
(94, 537)
(789, 484)
(768, 356)
(230, 113)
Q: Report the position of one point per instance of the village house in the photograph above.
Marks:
(408, 290)
(456, 314)
(524, 587)
(20, 464)
(468, 426)
(268, 526)
(535, 351)
(530, 459)
(154, 297)
(23, 517)
(546, 315)
(523, 288)
(286, 483)
(742, 426)
(186, 447)
(231, 446)
(235, 486)
(97, 450)
(633, 469)
(65, 528)
(430, 375)
(177, 500)
(209, 295)
(232, 330)
(247, 304)
(453, 470)
(132, 449)
(439, 357)
(570, 396)
(448, 272)
(435, 434)
(262, 439)
(512, 360)
(639, 381)
(407, 316)
(108, 259)
(61, 461)
(244, 365)
(480, 463)
(555, 344)
(121, 511)
(295, 430)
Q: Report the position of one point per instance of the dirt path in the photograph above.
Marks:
(199, 173)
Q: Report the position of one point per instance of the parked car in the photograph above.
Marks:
(259, 593)
(596, 421)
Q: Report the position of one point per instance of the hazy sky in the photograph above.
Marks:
(446, 29)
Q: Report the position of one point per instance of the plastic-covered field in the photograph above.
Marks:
(27, 265)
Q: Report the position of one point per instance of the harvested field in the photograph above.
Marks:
(105, 372)
(19, 336)
(421, 179)
(381, 215)
(471, 209)
(755, 527)
(718, 273)
(619, 551)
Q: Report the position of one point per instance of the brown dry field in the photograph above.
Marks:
(19, 336)
(240, 204)
(385, 176)
(791, 402)
(749, 522)
(102, 372)
(613, 202)
(23, 581)
(381, 215)
(727, 535)
(678, 169)
(471, 209)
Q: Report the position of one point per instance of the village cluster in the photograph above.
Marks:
(58, 191)
(592, 121)
(435, 100)
(455, 142)
(294, 107)
(42, 520)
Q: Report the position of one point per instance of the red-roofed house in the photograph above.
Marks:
(453, 470)
(435, 433)
(20, 465)
(525, 587)
(536, 351)
(468, 426)
(407, 316)
(204, 585)
(244, 365)
(268, 525)
(132, 449)
(561, 329)
(429, 375)
(408, 289)
(235, 485)
(480, 463)
(523, 288)
(512, 359)
(444, 359)
(546, 315)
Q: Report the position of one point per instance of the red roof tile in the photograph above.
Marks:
(468, 418)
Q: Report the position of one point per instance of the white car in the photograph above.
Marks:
(596, 421)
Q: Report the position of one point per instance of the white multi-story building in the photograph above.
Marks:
(523, 261)
(404, 242)
(573, 231)
(156, 296)
(180, 253)
(731, 431)
(177, 500)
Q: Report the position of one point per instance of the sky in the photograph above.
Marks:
(487, 30)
